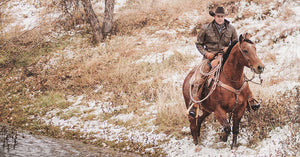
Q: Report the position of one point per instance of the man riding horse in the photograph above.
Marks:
(212, 41)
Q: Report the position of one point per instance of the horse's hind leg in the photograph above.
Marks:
(222, 118)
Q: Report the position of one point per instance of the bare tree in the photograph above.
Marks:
(92, 19)
(108, 17)
(98, 34)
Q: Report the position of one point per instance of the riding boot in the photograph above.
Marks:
(253, 104)
(195, 96)
(195, 92)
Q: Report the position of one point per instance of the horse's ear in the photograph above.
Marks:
(247, 36)
(241, 38)
(211, 13)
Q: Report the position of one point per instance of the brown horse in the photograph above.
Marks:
(231, 92)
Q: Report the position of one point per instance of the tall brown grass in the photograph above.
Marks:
(113, 65)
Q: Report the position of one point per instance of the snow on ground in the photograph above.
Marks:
(27, 15)
(96, 128)
(156, 57)
(286, 66)
(276, 145)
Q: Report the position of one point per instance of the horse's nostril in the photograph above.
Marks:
(260, 68)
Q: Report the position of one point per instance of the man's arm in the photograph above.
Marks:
(200, 44)
(234, 35)
(200, 41)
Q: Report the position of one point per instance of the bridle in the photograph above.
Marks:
(251, 67)
(245, 77)
(245, 57)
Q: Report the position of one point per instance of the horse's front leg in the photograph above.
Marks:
(236, 123)
(200, 120)
(194, 130)
(222, 118)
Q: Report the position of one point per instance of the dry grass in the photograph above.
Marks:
(113, 66)
(171, 116)
(274, 113)
(153, 13)
(270, 57)
(71, 113)
(287, 13)
(21, 48)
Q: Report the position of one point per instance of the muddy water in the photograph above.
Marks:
(14, 143)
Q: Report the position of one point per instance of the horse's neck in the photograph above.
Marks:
(233, 69)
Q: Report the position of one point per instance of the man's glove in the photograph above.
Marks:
(209, 55)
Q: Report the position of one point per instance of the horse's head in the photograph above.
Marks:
(248, 50)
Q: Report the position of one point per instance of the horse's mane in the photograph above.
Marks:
(249, 41)
(225, 56)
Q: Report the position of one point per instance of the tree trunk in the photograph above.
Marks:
(92, 19)
(108, 17)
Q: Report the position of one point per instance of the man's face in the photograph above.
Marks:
(219, 19)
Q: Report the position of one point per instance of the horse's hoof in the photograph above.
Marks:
(254, 104)
(197, 148)
(192, 114)
(234, 148)
(223, 139)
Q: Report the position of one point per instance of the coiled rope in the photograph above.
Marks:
(217, 71)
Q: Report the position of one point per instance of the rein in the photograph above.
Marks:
(253, 76)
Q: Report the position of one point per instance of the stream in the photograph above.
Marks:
(21, 144)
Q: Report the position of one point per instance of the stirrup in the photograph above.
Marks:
(253, 104)
(192, 110)
(192, 113)
(195, 111)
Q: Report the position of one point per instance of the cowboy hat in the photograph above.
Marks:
(219, 11)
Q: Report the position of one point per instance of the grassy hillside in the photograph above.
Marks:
(132, 81)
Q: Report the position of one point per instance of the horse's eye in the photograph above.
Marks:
(245, 51)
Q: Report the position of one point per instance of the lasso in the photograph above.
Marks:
(217, 69)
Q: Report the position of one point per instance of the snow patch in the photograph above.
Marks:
(156, 57)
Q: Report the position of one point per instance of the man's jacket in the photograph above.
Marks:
(210, 40)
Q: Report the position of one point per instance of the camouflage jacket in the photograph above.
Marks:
(210, 40)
